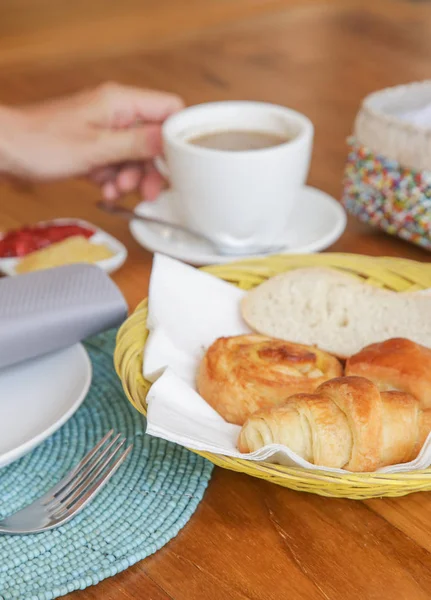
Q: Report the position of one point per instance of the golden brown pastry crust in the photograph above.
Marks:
(396, 364)
(242, 374)
(347, 423)
(360, 402)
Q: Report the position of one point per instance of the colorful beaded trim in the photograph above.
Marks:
(381, 192)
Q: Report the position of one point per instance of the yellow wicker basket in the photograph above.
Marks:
(396, 274)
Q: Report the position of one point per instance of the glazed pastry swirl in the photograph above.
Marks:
(347, 423)
(242, 374)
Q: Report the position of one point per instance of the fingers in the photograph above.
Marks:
(131, 177)
(150, 105)
(152, 183)
(119, 105)
(128, 129)
(103, 174)
(126, 176)
(116, 146)
(105, 177)
(110, 192)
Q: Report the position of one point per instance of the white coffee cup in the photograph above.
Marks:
(241, 200)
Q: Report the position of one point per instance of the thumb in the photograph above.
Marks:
(135, 143)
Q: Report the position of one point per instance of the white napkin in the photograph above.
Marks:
(188, 311)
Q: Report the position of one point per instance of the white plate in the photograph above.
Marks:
(317, 221)
(7, 265)
(39, 396)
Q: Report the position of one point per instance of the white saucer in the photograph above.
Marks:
(38, 396)
(318, 220)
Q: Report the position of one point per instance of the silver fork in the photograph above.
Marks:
(68, 497)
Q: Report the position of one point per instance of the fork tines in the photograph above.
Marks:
(94, 470)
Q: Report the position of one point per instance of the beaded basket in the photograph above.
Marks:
(387, 180)
(395, 274)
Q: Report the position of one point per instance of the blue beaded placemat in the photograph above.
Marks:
(145, 504)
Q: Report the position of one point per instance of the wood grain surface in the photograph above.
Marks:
(248, 539)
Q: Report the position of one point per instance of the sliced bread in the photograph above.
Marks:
(335, 311)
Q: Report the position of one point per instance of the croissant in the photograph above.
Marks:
(396, 364)
(347, 423)
(239, 375)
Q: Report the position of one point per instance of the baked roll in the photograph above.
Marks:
(396, 364)
(347, 423)
(242, 374)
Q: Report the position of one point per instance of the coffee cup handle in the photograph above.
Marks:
(162, 167)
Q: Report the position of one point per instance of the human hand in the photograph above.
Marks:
(110, 134)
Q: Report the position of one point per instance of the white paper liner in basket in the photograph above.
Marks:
(188, 311)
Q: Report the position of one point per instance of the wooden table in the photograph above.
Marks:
(248, 538)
